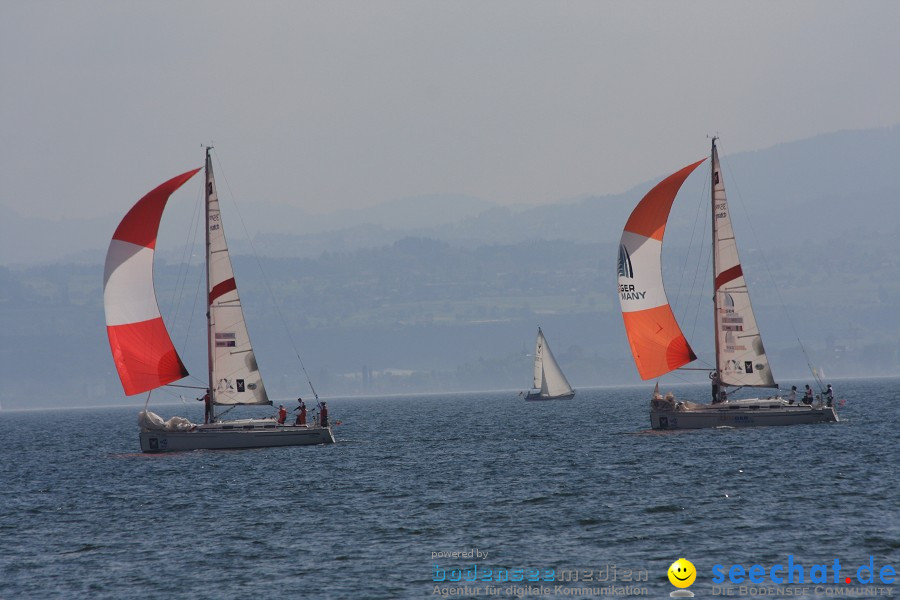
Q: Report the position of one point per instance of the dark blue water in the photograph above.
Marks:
(578, 484)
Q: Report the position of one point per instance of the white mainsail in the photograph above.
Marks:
(539, 361)
(234, 377)
(548, 377)
(740, 357)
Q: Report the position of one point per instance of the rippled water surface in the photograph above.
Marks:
(578, 484)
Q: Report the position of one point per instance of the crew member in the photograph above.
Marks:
(301, 412)
(323, 415)
(207, 407)
(808, 395)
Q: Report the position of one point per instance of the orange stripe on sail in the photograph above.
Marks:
(656, 341)
(650, 215)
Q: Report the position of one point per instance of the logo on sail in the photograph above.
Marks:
(225, 340)
(625, 268)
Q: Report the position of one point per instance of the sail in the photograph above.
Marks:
(656, 341)
(740, 357)
(141, 347)
(545, 390)
(539, 360)
(234, 375)
(552, 382)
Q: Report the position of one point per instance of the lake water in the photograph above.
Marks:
(578, 485)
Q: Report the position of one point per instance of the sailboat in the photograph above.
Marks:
(549, 381)
(143, 352)
(656, 340)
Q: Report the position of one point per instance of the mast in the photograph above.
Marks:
(714, 177)
(209, 320)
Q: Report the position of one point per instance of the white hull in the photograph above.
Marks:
(755, 413)
(234, 436)
(533, 397)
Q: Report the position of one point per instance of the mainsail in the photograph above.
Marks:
(740, 357)
(548, 377)
(234, 377)
(141, 347)
(657, 343)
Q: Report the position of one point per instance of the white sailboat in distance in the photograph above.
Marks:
(656, 340)
(143, 351)
(549, 381)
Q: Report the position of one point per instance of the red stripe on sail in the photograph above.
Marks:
(141, 223)
(728, 275)
(650, 215)
(656, 341)
(144, 355)
(220, 289)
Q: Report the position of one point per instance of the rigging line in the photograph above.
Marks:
(192, 244)
(676, 375)
(707, 262)
(265, 277)
(772, 281)
(701, 259)
(190, 387)
(183, 269)
(709, 366)
(687, 256)
(201, 280)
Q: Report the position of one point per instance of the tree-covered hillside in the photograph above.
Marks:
(423, 315)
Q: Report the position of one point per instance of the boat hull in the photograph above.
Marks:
(235, 437)
(740, 416)
(539, 398)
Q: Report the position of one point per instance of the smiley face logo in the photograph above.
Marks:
(682, 573)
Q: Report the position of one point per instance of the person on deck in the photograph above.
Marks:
(714, 376)
(301, 412)
(207, 407)
(792, 397)
(829, 396)
(808, 395)
(323, 414)
(282, 414)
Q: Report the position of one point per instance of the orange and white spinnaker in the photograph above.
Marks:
(141, 347)
(656, 341)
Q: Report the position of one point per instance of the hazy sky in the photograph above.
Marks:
(331, 104)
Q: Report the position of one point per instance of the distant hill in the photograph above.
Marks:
(452, 301)
(811, 188)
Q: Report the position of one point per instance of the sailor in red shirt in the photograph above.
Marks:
(301, 416)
